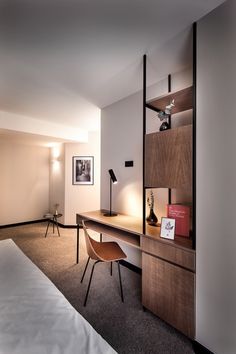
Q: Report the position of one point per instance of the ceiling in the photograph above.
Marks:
(60, 59)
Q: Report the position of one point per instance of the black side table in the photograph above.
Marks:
(52, 218)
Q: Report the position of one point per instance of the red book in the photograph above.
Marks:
(181, 214)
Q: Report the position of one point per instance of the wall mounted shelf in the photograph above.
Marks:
(183, 101)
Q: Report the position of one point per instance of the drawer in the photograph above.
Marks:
(179, 256)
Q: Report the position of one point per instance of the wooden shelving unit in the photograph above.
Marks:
(168, 266)
(183, 101)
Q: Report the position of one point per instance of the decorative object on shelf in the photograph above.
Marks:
(82, 170)
(56, 209)
(181, 214)
(152, 218)
(168, 228)
(113, 180)
(164, 115)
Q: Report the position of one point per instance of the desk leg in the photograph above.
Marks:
(77, 245)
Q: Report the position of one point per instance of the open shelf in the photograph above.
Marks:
(183, 101)
(130, 239)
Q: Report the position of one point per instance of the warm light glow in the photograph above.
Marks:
(55, 152)
(130, 199)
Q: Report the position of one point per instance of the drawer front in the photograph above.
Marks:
(168, 291)
(182, 257)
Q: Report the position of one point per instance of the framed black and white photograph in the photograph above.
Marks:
(83, 170)
(168, 228)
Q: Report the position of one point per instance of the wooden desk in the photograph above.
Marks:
(125, 228)
(168, 266)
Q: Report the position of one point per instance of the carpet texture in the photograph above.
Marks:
(125, 326)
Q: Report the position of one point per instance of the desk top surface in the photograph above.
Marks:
(121, 221)
(133, 225)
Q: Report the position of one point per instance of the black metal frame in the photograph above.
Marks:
(91, 275)
(146, 105)
(54, 222)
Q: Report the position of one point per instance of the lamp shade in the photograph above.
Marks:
(113, 176)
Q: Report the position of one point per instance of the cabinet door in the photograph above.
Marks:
(168, 291)
(168, 158)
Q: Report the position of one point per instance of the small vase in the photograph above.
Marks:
(152, 218)
(164, 126)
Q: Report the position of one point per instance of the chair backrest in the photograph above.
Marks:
(90, 244)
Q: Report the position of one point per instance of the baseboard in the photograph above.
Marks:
(200, 349)
(35, 222)
(131, 267)
(22, 223)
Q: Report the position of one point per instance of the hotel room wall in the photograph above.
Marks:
(80, 198)
(216, 181)
(57, 180)
(24, 182)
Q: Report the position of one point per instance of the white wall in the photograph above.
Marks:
(24, 182)
(121, 140)
(57, 180)
(81, 198)
(216, 181)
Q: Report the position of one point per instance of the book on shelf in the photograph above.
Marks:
(181, 214)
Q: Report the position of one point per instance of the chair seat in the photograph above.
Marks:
(109, 251)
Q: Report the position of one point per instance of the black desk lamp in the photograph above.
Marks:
(113, 179)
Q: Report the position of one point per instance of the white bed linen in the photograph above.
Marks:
(35, 318)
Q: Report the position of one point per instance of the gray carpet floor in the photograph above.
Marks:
(125, 326)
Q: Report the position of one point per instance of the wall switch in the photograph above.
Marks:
(129, 163)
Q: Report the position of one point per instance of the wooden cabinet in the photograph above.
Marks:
(168, 158)
(168, 267)
(168, 291)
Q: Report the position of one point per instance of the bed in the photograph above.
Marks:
(35, 317)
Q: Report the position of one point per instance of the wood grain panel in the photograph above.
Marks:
(171, 253)
(168, 291)
(168, 158)
(183, 100)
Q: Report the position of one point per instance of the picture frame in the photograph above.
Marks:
(83, 170)
(167, 228)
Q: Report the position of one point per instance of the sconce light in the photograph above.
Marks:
(113, 180)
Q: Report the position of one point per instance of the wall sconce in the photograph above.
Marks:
(113, 180)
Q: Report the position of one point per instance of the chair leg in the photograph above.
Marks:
(121, 290)
(90, 279)
(85, 270)
(111, 268)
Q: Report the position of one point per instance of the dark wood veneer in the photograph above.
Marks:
(168, 291)
(168, 160)
(183, 100)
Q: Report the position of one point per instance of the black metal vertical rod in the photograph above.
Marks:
(90, 279)
(194, 131)
(121, 289)
(169, 121)
(85, 270)
(144, 133)
(77, 245)
(110, 196)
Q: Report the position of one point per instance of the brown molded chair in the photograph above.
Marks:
(102, 252)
